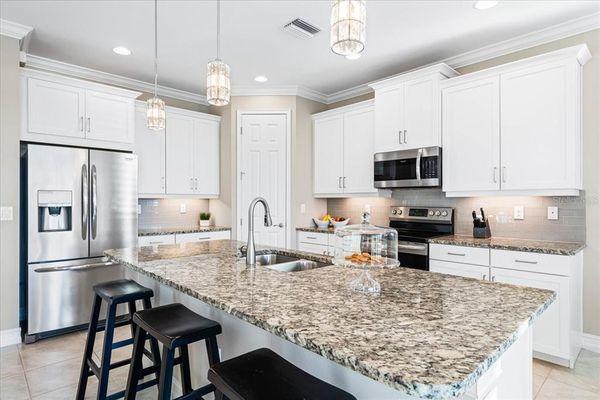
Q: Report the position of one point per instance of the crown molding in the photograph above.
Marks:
(348, 93)
(282, 90)
(59, 67)
(14, 30)
(528, 40)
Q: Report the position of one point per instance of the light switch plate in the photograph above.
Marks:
(6, 213)
(182, 208)
(519, 212)
(302, 208)
(553, 213)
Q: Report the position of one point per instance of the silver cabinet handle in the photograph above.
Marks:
(344, 182)
(504, 174)
(311, 237)
(400, 137)
(196, 183)
(493, 278)
(456, 254)
(204, 238)
(405, 136)
(162, 182)
(159, 242)
(526, 262)
(81, 123)
(484, 277)
(495, 174)
(89, 124)
(191, 183)
(84, 201)
(339, 182)
(83, 267)
(94, 202)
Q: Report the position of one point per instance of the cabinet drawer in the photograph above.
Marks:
(313, 238)
(201, 236)
(156, 240)
(532, 262)
(314, 248)
(460, 254)
(464, 270)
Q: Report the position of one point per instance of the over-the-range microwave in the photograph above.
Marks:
(409, 168)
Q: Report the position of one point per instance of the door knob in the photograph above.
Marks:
(280, 225)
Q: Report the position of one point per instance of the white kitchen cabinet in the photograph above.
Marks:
(343, 151)
(408, 110)
(206, 157)
(201, 236)
(150, 148)
(155, 240)
(471, 140)
(181, 152)
(515, 129)
(458, 269)
(316, 242)
(67, 111)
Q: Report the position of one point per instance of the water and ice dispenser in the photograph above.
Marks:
(54, 210)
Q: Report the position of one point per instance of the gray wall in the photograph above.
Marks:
(9, 181)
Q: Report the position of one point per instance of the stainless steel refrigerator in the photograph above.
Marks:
(80, 202)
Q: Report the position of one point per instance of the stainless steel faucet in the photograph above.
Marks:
(251, 250)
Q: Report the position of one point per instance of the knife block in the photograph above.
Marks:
(482, 233)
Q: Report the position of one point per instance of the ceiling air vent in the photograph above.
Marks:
(301, 29)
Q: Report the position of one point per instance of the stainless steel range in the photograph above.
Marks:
(415, 225)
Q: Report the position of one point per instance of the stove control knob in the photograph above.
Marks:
(394, 211)
(431, 213)
(399, 212)
(438, 213)
(444, 213)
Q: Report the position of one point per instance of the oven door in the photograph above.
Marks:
(408, 168)
(413, 255)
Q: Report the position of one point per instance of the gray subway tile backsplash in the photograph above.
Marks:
(569, 227)
(165, 213)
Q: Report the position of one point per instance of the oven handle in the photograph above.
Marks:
(417, 249)
(411, 247)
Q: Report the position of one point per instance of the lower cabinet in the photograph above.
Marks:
(557, 333)
(155, 240)
(316, 242)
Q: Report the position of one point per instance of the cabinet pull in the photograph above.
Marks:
(484, 277)
(191, 183)
(155, 242)
(456, 254)
(89, 124)
(81, 123)
(162, 182)
(339, 182)
(504, 174)
(495, 173)
(311, 237)
(526, 262)
(493, 278)
(203, 238)
(405, 136)
(344, 182)
(400, 137)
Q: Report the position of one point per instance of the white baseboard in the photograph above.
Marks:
(10, 336)
(590, 342)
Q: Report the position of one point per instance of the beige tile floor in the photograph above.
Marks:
(49, 370)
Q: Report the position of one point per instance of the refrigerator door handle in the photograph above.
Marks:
(94, 202)
(83, 267)
(84, 201)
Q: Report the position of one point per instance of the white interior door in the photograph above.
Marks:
(263, 173)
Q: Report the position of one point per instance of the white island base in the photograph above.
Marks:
(510, 377)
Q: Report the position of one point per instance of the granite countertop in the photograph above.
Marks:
(315, 229)
(428, 335)
(533, 246)
(180, 230)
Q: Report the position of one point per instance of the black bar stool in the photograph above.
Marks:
(263, 375)
(175, 326)
(114, 293)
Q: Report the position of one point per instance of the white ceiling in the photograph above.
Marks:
(400, 35)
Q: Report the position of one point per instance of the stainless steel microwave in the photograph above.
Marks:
(409, 168)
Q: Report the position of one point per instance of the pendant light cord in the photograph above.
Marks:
(218, 29)
(155, 46)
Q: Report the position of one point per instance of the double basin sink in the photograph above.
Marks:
(284, 263)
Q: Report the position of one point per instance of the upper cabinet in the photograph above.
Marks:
(182, 159)
(68, 111)
(343, 151)
(516, 128)
(408, 110)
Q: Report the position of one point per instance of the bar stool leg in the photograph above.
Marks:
(106, 351)
(89, 348)
(136, 363)
(186, 375)
(132, 310)
(166, 374)
(212, 350)
(153, 343)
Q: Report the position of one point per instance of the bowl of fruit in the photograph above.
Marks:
(338, 222)
(323, 222)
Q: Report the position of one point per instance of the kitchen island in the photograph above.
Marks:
(425, 336)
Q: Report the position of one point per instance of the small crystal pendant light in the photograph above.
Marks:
(218, 84)
(155, 108)
(348, 27)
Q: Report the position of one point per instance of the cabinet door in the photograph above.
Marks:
(206, 160)
(388, 120)
(540, 132)
(457, 269)
(471, 136)
(109, 117)
(551, 330)
(150, 149)
(421, 114)
(358, 152)
(155, 240)
(328, 154)
(180, 154)
(55, 109)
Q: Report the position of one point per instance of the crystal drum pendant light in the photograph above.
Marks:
(155, 108)
(218, 84)
(348, 27)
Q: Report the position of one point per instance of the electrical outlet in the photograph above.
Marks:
(182, 208)
(302, 208)
(519, 212)
(6, 213)
(553, 213)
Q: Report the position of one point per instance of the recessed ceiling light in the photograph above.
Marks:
(261, 78)
(122, 50)
(485, 4)
(355, 56)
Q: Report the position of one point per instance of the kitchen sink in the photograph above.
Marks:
(283, 263)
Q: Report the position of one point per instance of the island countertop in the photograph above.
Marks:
(428, 335)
